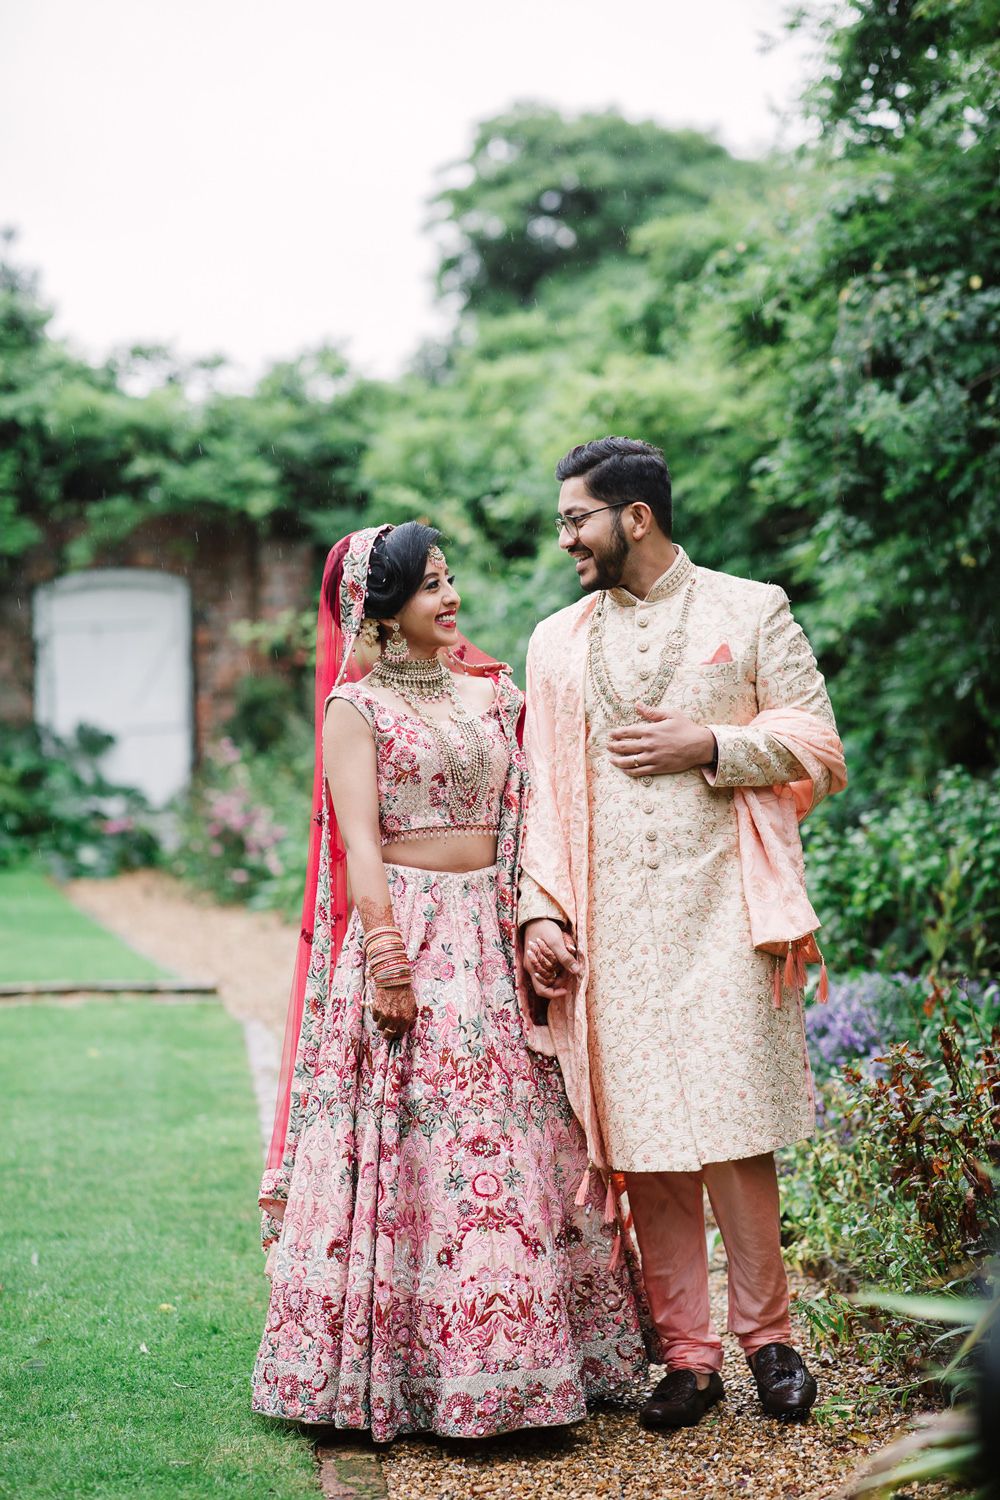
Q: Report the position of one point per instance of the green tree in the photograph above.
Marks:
(97, 450)
(898, 66)
(540, 193)
(883, 313)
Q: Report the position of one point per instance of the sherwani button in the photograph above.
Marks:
(646, 780)
(653, 864)
(651, 833)
(649, 807)
(642, 646)
(642, 621)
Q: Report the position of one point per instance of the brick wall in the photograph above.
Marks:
(233, 575)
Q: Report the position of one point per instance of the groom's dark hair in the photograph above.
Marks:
(621, 468)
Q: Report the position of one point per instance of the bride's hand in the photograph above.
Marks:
(550, 958)
(394, 1010)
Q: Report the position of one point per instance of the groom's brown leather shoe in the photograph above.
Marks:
(784, 1385)
(677, 1401)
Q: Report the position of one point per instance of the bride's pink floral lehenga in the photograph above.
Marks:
(444, 1261)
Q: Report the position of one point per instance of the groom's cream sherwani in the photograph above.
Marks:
(690, 1060)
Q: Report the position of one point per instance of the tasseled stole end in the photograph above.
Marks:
(612, 1209)
(618, 1178)
(791, 974)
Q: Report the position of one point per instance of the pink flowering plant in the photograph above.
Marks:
(241, 827)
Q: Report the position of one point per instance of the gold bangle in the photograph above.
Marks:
(381, 932)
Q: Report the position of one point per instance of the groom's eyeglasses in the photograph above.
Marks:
(572, 524)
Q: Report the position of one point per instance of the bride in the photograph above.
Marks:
(441, 1258)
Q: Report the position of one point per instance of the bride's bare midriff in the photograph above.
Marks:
(456, 853)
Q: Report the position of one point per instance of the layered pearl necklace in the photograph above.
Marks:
(614, 705)
(419, 681)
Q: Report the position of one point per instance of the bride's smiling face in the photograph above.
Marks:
(427, 619)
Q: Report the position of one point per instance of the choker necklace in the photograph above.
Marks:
(424, 678)
(467, 775)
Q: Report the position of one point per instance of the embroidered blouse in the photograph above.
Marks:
(411, 775)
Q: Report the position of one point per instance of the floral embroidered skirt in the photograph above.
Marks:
(434, 1271)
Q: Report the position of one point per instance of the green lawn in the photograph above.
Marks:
(133, 1292)
(43, 937)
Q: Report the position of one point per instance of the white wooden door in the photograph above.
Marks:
(113, 649)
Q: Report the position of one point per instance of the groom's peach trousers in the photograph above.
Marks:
(668, 1210)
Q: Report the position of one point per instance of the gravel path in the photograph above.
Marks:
(248, 954)
(734, 1452)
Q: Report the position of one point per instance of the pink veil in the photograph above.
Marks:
(336, 637)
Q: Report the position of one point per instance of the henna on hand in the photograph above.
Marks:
(375, 913)
(394, 1010)
(551, 957)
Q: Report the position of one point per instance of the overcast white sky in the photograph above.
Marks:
(251, 178)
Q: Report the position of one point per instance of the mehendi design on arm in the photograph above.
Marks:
(375, 913)
(393, 1009)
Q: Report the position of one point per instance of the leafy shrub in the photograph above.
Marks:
(917, 877)
(895, 1189)
(265, 707)
(55, 804)
(244, 825)
(958, 1443)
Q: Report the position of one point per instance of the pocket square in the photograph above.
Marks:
(723, 654)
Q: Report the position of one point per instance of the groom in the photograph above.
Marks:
(677, 727)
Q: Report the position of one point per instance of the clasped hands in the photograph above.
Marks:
(660, 744)
(550, 957)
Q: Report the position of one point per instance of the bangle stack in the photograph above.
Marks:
(385, 956)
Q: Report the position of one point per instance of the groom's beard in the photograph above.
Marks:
(608, 561)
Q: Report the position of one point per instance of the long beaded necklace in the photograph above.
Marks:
(615, 706)
(422, 681)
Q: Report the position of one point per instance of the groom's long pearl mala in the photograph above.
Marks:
(419, 681)
(614, 705)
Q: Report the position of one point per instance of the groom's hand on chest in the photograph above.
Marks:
(661, 743)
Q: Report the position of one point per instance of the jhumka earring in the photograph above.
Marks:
(396, 650)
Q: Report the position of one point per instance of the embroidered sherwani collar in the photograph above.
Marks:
(665, 587)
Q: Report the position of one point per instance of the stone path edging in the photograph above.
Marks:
(350, 1472)
(167, 988)
(265, 1062)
